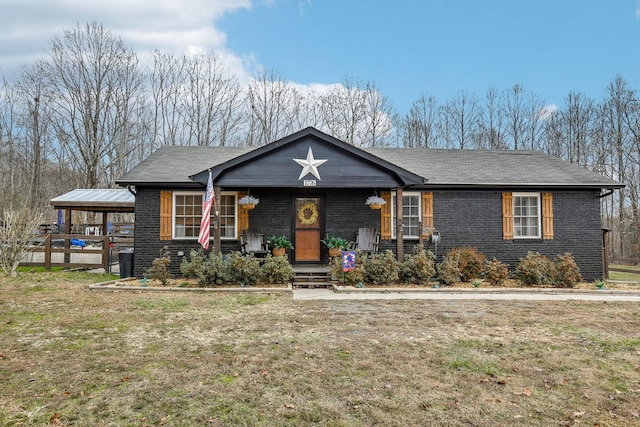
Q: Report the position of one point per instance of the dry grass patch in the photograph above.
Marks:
(69, 356)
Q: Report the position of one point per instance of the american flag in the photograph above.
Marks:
(205, 223)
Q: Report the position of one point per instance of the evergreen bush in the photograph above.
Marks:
(417, 268)
(276, 269)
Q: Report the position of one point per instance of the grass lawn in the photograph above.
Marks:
(70, 356)
(625, 276)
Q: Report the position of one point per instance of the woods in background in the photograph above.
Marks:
(90, 110)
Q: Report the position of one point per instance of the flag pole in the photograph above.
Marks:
(216, 222)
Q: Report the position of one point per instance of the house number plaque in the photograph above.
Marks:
(309, 182)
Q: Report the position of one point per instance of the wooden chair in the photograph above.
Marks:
(253, 243)
(367, 240)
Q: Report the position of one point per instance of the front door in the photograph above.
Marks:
(307, 229)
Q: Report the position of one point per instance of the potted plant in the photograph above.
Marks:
(375, 202)
(279, 245)
(248, 201)
(335, 244)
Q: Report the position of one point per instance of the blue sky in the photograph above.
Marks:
(436, 47)
(550, 47)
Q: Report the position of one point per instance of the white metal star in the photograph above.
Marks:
(309, 165)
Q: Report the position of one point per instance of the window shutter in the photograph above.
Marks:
(385, 216)
(243, 216)
(166, 202)
(547, 215)
(507, 216)
(427, 210)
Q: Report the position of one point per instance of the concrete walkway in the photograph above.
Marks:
(466, 294)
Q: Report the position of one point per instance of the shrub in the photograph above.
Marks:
(189, 268)
(535, 269)
(214, 270)
(159, 269)
(470, 262)
(276, 269)
(566, 273)
(449, 270)
(244, 269)
(417, 268)
(381, 269)
(349, 277)
(495, 272)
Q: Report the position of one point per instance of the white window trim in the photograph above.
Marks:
(513, 209)
(200, 193)
(393, 213)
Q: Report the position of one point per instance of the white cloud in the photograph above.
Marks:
(179, 26)
(547, 111)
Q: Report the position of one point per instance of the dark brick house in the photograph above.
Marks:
(505, 203)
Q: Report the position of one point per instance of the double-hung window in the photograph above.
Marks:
(526, 215)
(187, 208)
(411, 215)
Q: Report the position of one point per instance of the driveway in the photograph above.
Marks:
(342, 293)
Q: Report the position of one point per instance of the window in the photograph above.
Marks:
(526, 215)
(188, 213)
(411, 215)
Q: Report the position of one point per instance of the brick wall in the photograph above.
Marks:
(463, 218)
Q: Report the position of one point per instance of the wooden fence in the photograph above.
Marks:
(623, 262)
(70, 251)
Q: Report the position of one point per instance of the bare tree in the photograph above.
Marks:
(619, 102)
(461, 115)
(94, 77)
(420, 124)
(16, 229)
(344, 110)
(270, 99)
(515, 112)
(35, 129)
(211, 100)
(9, 147)
(491, 122)
(167, 79)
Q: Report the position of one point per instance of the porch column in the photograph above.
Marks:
(216, 220)
(67, 230)
(399, 234)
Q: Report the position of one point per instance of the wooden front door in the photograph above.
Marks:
(308, 214)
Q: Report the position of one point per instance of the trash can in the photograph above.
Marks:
(125, 260)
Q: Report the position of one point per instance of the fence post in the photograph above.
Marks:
(105, 253)
(47, 252)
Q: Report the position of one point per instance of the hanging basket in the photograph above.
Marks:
(248, 202)
(375, 202)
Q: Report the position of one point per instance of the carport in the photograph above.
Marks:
(100, 200)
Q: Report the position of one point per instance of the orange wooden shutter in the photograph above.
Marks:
(385, 216)
(427, 210)
(243, 216)
(507, 216)
(166, 203)
(547, 215)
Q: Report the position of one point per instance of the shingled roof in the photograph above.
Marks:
(500, 168)
(172, 166)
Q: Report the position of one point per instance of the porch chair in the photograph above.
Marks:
(367, 240)
(253, 243)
